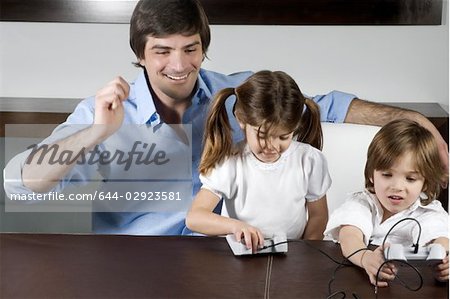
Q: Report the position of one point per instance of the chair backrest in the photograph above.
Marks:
(345, 147)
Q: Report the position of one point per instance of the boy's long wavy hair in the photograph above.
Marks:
(267, 100)
(398, 138)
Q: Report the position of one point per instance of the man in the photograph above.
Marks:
(170, 40)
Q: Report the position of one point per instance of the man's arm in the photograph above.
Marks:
(370, 113)
(39, 175)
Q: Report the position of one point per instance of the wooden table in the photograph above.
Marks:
(117, 266)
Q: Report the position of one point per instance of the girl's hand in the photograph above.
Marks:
(371, 262)
(252, 237)
(440, 270)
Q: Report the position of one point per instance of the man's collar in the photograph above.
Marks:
(141, 97)
(202, 94)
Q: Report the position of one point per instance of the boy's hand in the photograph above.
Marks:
(251, 236)
(371, 262)
(440, 270)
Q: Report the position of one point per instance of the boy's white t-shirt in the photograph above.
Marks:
(271, 196)
(363, 210)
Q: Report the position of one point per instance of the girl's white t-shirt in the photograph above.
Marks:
(364, 211)
(271, 196)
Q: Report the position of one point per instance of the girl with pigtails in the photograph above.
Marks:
(269, 183)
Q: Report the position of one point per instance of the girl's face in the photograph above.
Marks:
(399, 187)
(267, 149)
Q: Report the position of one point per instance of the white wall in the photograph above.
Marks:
(381, 63)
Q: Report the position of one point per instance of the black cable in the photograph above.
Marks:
(339, 264)
(398, 278)
(306, 243)
(276, 244)
(337, 293)
(416, 246)
(343, 294)
(343, 263)
(333, 277)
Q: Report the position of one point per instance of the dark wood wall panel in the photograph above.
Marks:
(239, 12)
(31, 118)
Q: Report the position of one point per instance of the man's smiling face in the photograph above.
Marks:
(172, 65)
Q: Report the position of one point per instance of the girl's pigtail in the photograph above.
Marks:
(310, 129)
(217, 139)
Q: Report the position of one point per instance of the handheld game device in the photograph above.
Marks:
(430, 253)
(276, 244)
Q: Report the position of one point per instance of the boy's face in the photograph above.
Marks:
(173, 63)
(399, 187)
(277, 143)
